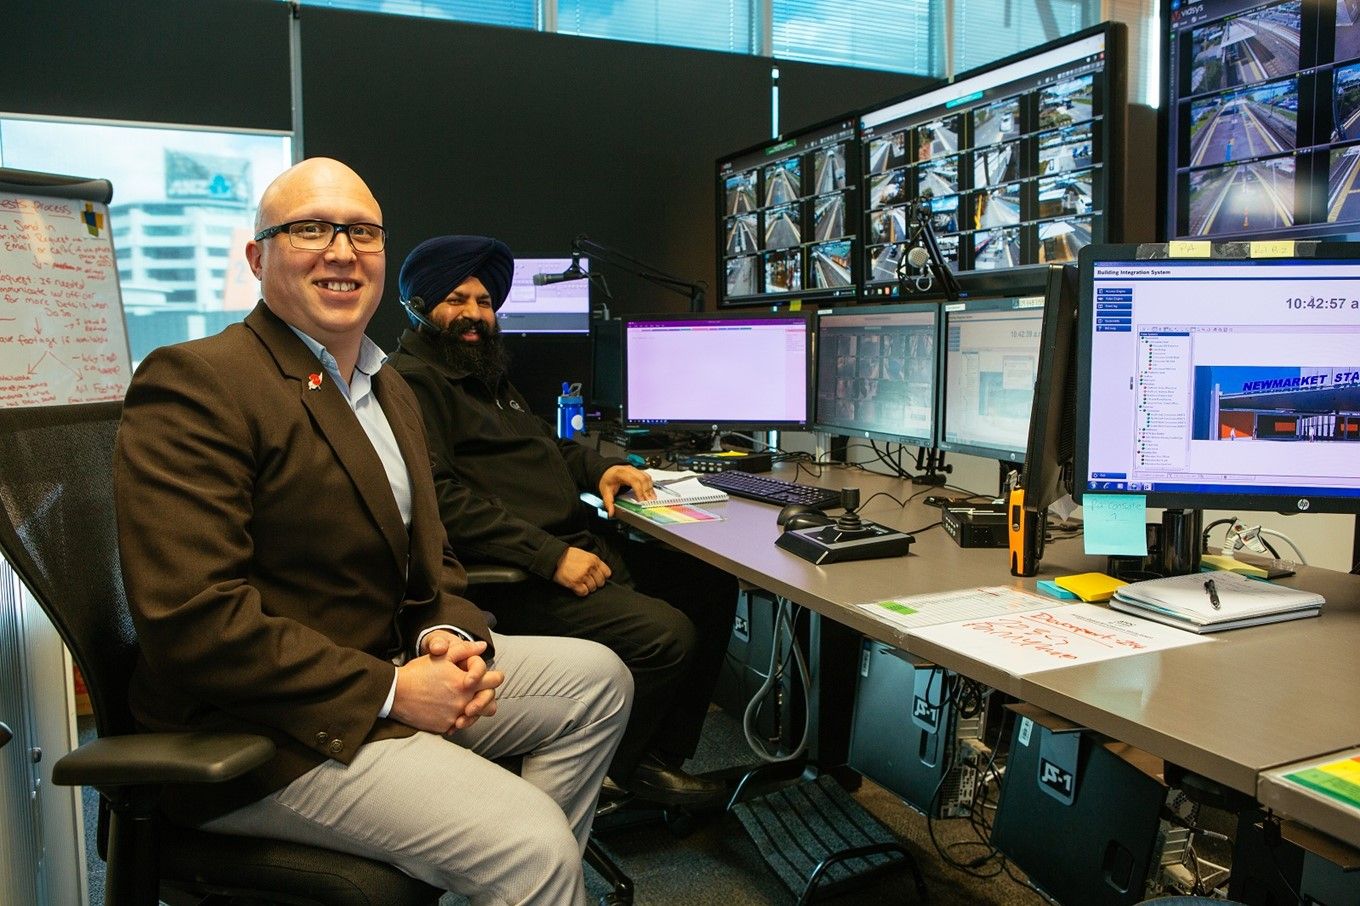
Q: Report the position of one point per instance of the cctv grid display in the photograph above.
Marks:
(787, 217)
(959, 377)
(1263, 118)
(1221, 382)
(1012, 159)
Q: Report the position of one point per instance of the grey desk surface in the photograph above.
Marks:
(1249, 700)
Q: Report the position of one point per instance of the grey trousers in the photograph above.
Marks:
(441, 811)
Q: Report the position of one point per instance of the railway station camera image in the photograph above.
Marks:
(828, 169)
(783, 271)
(1343, 193)
(1061, 240)
(1242, 197)
(1305, 404)
(1346, 103)
(741, 276)
(1066, 149)
(886, 153)
(886, 188)
(994, 249)
(939, 177)
(741, 192)
(783, 181)
(1240, 125)
(829, 264)
(996, 123)
(1067, 102)
(743, 234)
(938, 138)
(1347, 30)
(1242, 50)
(783, 226)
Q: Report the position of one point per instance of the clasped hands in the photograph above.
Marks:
(448, 687)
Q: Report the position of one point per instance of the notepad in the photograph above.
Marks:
(673, 488)
(1090, 587)
(1187, 601)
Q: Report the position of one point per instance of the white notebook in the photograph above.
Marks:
(1187, 601)
(676, 488)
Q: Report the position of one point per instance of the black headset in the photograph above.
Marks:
(415, 307)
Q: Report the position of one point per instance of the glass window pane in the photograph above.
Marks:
(183, 207)
(707, 24)
(987, 30)
(874, 34)
(517, 13)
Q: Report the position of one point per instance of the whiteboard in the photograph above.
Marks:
(62, 336)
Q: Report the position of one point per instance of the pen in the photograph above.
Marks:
(1213, 592)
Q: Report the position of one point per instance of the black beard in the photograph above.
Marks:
(487, 359)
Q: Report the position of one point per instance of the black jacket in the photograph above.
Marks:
(508, 487)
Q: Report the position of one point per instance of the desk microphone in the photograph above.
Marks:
(919, 258)
(415, 307)
(571, 273)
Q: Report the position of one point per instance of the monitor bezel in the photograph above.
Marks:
(1048, 475)
(809, 352)
(1008, 302)
(830, 427)
(1312, 251)
(1006, 281)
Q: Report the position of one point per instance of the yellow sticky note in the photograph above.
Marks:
(1090, 586)
(1231, 564)
(1273, 248)
(796, 305)
(1189, 248)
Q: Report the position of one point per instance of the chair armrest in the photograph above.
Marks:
(143, 759)
(494, 574)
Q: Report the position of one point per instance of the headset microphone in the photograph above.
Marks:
(415, 307)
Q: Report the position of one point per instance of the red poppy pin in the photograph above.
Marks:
(313, 382)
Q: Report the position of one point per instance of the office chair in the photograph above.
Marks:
(57, 530)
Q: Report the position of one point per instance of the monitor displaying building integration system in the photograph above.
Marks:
(989, 363)
(718, 369)
(1221, 383)
(876, 372)
(788, 216)
(561, 307)
(1021, 162)
(1262, 118)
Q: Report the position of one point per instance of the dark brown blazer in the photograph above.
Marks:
(269, 573)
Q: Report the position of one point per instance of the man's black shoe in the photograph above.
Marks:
(654, 780)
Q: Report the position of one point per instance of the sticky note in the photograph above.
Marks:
(1272, 248)
(1053, 589)
(1090, 586)
(1189, 248)
(1115, 524)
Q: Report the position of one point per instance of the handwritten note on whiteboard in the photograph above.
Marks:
(62, 338)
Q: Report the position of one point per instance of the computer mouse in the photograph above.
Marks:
(793, 509)
(808, 520)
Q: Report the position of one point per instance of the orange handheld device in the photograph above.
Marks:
(1025, 531)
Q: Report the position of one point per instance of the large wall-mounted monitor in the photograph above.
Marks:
(561, 307)
(788, 217)
(876, 372)
(1261, 102)
(989, 364)
(1223, 383)
(733, 370)
(1022, 162)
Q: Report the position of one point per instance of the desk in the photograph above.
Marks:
(1249, 700)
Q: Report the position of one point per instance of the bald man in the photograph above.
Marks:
(289, 575)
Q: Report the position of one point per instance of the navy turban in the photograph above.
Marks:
(437, 266)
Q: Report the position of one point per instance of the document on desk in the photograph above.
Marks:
(1064, 635)
(672, 514)
(968, 604)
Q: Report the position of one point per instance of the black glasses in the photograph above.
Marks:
(317, 235)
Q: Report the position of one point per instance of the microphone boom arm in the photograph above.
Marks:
(584, 245)
(923, 236)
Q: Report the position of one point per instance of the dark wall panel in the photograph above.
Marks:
(205, 62)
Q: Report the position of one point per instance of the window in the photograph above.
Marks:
(875, 34)
(167, 182)
(518, 13)
(707, 24)
(987, 30)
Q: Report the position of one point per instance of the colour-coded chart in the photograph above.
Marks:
(669, 515)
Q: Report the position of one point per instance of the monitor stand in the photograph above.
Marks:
(1181, 539)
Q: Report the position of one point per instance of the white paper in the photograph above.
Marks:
(914, 611)
(1055, 636)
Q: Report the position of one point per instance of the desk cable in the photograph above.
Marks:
(785, 619)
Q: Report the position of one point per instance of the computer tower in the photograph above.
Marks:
(779, 722)
(1078, 819)
(908, 738)
(1266, 869)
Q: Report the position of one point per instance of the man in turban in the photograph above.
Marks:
(508, 494)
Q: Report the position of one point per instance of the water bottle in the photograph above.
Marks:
(571, 412)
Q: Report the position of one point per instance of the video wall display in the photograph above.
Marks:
(788, 216)
(1263, 114)
(1013, 159)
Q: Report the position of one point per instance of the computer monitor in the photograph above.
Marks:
(1052, 419)
(1261, 117)
(733, 370)
(562, 307)
(1225, 383)
(1022, 162)
(606, 365)
(989, 363)
(877, 371)
(788, 212)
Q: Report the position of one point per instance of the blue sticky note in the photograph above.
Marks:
(1053, 589)
(1115, 524)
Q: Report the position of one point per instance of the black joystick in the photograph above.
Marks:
(849, 521)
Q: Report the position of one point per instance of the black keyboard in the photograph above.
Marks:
(770, 490)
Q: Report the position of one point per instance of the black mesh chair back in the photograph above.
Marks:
(58, 531)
